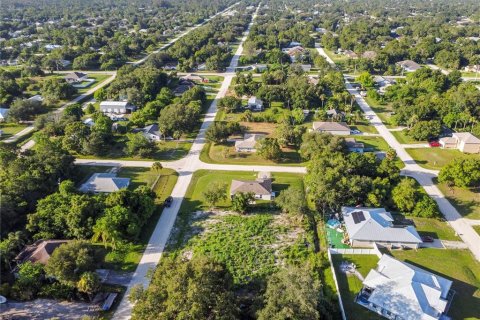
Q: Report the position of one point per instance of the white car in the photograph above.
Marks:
(355, 132)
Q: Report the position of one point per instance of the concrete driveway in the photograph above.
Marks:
(47, 309)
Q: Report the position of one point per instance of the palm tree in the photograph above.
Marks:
(157, 166)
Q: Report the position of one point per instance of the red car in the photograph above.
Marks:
(434, 143)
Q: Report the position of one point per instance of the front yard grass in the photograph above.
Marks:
(404, 138)
(213, 153)
(435, 228)
(436, 158)
(10, 129)
(477, 228)
(456, 265)
(466, 201)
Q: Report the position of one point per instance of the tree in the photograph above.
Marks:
(217, 132)
(292, 200)
(139, 145)
(241, 201)
(29, 279)
(292, 293)
(69, 261)
(321, 144)
(157, 166)
(423, 130)
(426, 208)
(90, 109)
(405, 195)
(194, 289)
(366, 79)
(230, 104)
(89, 283)
(56, 89)
(24, 110)
(269, 149)
(461, 172)
(215, 192)
(74, 110)
(76, 133)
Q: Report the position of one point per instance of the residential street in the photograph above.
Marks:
(189, 164)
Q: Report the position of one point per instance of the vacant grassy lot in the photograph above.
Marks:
(383, 111)
(403, 138)
(350, 285)
(436, 228)
(213, 153)
(456, 265)
(10, 129)
(436, 158)
(466, 201)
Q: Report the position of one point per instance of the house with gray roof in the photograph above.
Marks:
(399, 290)
(409, 65)
(3, 114)
(367, 226)
(249, 143)
(261, 187)
(335, 128)
(354, 146)
(104, 183)
(463, 141)
(118, 107)
(152, 132)
(75, 77)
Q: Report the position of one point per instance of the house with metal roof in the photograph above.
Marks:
(367, 226)
(249, 143)
(399, 290)
(261, 187)
(408, 65)
(255, 104)
(354, 146)
(118, 107)
(463, 141)
(104, 183)
(75, 77)
(335, 128)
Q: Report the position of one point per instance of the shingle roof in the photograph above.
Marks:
(330, 126)
(249, 141)
(258, 187)
(467, 137)
(406, 290)
(409, 64)
(376, 224)
(75, 75)
(152, 129)
(39, 252)
(104, 182)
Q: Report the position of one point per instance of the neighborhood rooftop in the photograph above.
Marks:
(104, 182)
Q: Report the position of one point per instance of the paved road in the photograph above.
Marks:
(325, 55)
(190, 163)
(28, 129)
(425, 177)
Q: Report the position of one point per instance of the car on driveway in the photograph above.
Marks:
(168, 202)
(434, 143)
(427, 239)
(355, 132)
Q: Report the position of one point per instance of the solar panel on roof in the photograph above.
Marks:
(358, 217)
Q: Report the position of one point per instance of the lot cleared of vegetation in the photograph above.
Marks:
(436, 158)
(466, 201)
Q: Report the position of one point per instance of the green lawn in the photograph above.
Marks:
(382, 111)
(99, 78)
(127, 257)
(436, 228)
(477, 228)
(436, 158)
(350, 285)
(10, 129)
(376, 143)
(364, 127)
(466, 201)
(456, 265)
(403, 138)
(213, 153)
(82, 173)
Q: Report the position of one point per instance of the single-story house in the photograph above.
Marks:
(38, 252)
(152, 132)
(248, 143)
(354, 146)
(259, 67)
(194, 77)
(170, 66)
(294, 52)
(408, 65)
(37, 98)
(261, 187)
(367, 226)
(75, 77)
(119, 107)
(350, 54)
(335, 114)
(183, 86)
(306, 67)
(463, 141)
(294, 44)
(255, 104)
(3, 114)
(335, 128)
(473, 68)
(89, 122)
(371, 55)
(104, 183)
(399, 290)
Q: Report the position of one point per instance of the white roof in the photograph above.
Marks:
(330, 126)
(3, 113)
(255, 100)
(376, 224)
(114, 104)
(466, 137)
(406, 290)
(104, 182)
(249, 141)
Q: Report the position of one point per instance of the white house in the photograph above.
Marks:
(3, 114)
(248, 143)
(104, 183)
(366, 226)
(408, 65)
(36, 97)
(76, 77)
(335, 128)
(119, 107)
(89, 122)
(255, 104)
(152, 132)
(261, 187)
(463, 141)
(399, 290)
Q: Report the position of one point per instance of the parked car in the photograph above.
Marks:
(434, 143)
(427, 239)
(168, 202)
(355, 132)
